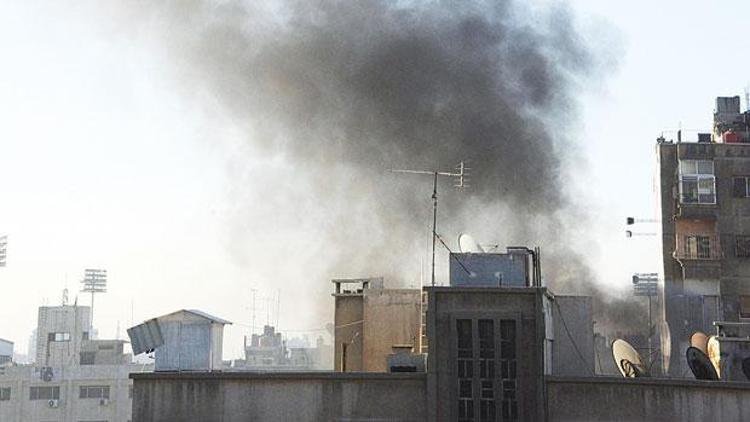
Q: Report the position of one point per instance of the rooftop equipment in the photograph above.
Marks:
(628, 360)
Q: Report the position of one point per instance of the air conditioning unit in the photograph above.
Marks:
(53, 403)
(103, 402)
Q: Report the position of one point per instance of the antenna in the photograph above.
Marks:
(460, 177)
(747, 97)
(94, 281)
(3, 250)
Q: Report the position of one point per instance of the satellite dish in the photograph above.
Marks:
(627, 359)
(467, 244)
(702, 368)
(713, 350)
(699, 340)
(666, 345)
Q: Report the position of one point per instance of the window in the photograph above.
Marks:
(741, 187)
(5, 394)
(465, 370)
(743, 246)
(697, 247)
(508, 368)
(744, 306)
(88, 358)
(85, 335)
(58, 337)
(697, 182)
(94, 392)
(44, 393)
(487, 370)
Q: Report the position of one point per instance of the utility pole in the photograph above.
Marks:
(460, 175)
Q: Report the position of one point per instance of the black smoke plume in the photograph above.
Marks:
(338, 92)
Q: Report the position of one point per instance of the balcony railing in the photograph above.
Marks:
(697, 247)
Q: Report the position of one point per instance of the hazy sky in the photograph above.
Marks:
(104, 163)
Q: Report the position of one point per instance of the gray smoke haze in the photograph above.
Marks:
(340, 91)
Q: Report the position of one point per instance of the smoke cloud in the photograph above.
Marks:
(334, 93)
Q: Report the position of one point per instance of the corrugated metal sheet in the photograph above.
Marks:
(146, 336)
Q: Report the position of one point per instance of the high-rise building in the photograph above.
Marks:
(704, 199)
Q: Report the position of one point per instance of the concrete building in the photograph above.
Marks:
(704, 199)
(6, 351)
(77, 378)
(493, 356)
(60, 332)
(369, 320)
(270, 352)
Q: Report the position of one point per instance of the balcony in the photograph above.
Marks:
(697, 246)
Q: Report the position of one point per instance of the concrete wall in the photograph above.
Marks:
(348, 323)
(391, 317)
(569, 358)
(307, 396)
(610, 399)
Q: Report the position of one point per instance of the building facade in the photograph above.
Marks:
(704, 200)
(369, 320)
(75, 378)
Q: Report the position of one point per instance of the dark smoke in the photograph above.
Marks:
(341, 91)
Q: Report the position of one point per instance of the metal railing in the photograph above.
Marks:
(697, 247)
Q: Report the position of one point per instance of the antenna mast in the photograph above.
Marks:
(460, 176)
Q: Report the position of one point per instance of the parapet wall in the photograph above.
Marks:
(609, 399)
(294, 396)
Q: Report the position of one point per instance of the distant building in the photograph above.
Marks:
(75, 378)
(369, 320)
(270, 352)
(6, 351)
(704, 200)
(60, 332)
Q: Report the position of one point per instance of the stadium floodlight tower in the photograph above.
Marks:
(3, 250)
(94, 281)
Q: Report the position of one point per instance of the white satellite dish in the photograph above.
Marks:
(467, 244)
(627, 359)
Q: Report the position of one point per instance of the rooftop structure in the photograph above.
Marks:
(185, 340)
(369, 320)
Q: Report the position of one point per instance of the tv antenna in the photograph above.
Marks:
(94, 281)
(459, 175)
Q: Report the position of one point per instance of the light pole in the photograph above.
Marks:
(94, 281)
(645, 284)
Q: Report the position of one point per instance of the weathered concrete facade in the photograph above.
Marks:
(283, 396)
(496, 365)
(618, 399)
(705, 274)
(70, 404)
(369, 321)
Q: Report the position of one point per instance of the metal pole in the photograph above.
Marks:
(434, 224)
(649, 330)
(91, 329)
